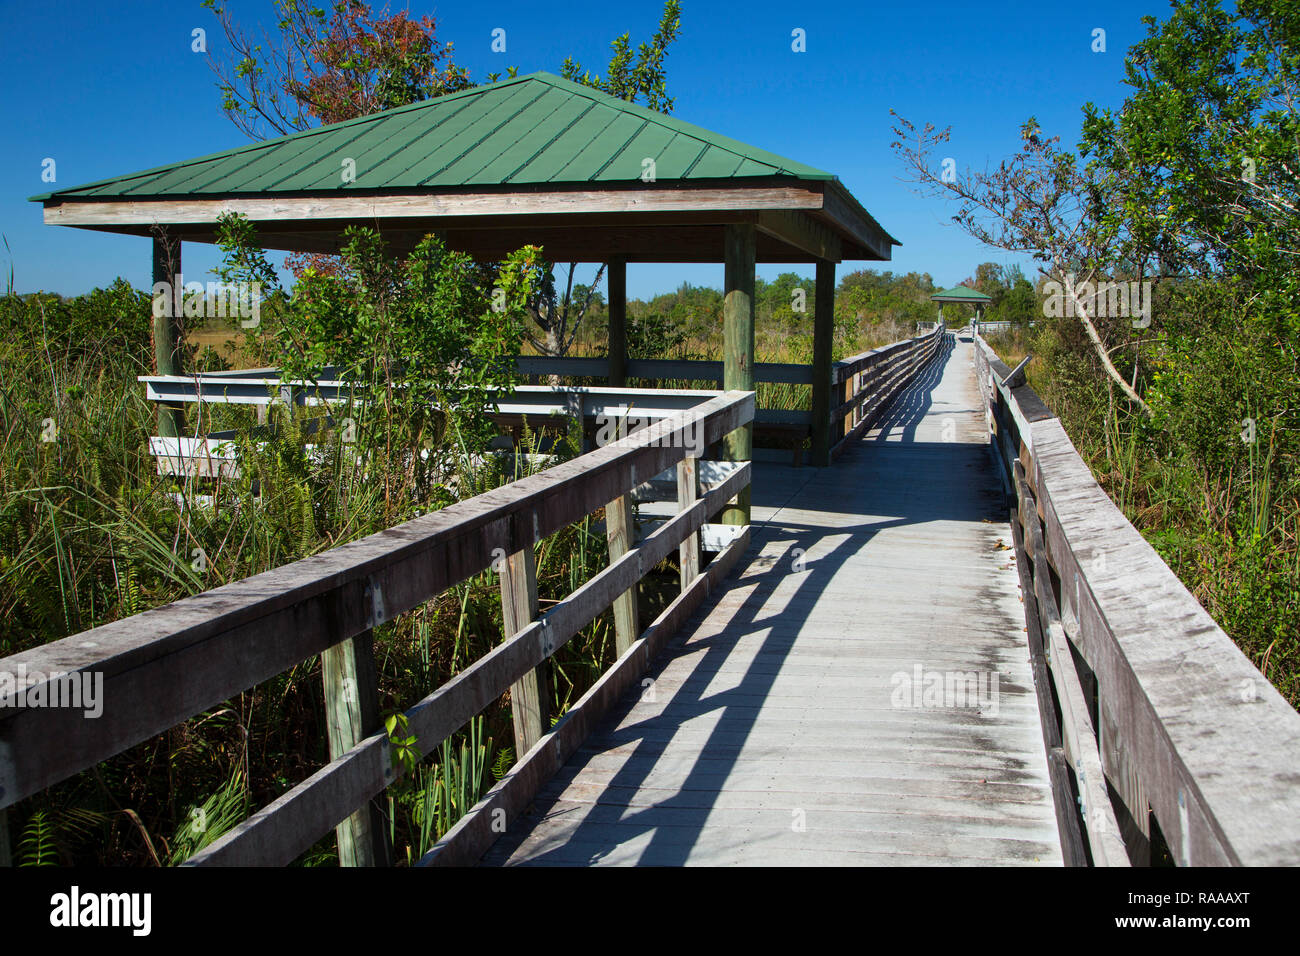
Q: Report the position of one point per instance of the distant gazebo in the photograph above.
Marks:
(532, 159)
(965, 295)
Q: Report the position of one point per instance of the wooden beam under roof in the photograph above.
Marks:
(670, 224)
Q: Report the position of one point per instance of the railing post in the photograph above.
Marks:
(823, 371)
(530, 694)
(738, 347)
(618, 531)
(167, 344)
(351, 715)
(617, 308)
(846, 423)
(687, 494)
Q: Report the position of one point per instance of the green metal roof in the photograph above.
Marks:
(960, 293)
(528, 130)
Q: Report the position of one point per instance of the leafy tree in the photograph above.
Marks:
(640, 78)
(1202, 164)
(870, 296)
(1041, 201)
(326, 67)
(424, 341)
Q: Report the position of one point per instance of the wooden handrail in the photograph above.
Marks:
(871, 380)
(691, 370)
(1181, 724)
(166, 665)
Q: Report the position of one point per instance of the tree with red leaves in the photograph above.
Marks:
(326, 67)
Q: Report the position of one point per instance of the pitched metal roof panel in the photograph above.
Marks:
(532, 129)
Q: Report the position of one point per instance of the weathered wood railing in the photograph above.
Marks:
(868, 382)
(863, 385)
(167, 665)
(1150, 710)
(213, 453)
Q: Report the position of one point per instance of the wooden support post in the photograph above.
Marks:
(738, 348)
(530, 695)
(688, 490)
(166, 328)
(6, 854)
(1133, 812)
(351, 715)
(848, 391)
(617, 322)
(618, 531)
(823, 339)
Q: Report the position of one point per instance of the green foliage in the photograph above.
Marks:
(329, 63)
(406, 755)
(1199, 165)
(89, 533)
(50, 833)
(642, 77)
(441, 794)
(653, 336)
(205, 823)
(36, 848)
(870, 296)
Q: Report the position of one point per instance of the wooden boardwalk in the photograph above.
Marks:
(778, 727)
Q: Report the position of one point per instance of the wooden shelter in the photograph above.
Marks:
(533, 159)
(964, 295)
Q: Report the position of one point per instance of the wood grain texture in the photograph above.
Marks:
(280, 832)
(166, 665)
(774, 731)
(1191, 731)
(528, 695)
(352, 714)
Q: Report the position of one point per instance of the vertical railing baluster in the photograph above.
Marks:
(530, 695)
(618, 532)
(687, 493)
(351, 715)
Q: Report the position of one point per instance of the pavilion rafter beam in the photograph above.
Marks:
(840, 207)
(801, 231)
(357, 206)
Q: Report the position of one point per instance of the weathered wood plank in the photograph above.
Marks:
(823, 341)
(617, 311)
(688, 492)
(1184, 714)
(781, 697)
(351, 715)
(165, 665)
(530, 695)
(466, 842)
(738, 348)
(280, 832)
(619, 533)
(678, 198)
(1078, 737)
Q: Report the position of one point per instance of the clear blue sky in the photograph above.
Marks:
(110, 88)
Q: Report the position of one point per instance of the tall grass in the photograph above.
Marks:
(1231, 534)
(90, 533)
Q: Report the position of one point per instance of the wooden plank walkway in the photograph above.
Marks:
(822, 710)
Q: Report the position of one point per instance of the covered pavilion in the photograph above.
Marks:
(532, 159)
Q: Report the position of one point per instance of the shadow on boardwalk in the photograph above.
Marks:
(649, 786)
